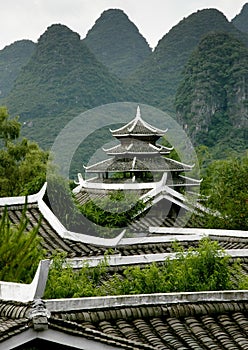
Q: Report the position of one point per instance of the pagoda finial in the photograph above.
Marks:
(138, 114)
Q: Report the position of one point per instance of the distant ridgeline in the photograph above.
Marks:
(198, 72)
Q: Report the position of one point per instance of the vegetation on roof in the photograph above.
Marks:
(59, 77)
(118, 209)
(204, 268)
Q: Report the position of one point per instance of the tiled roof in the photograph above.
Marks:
(56, 237)
(84, 196)
(206, 325)
(161, 164)
(13, 318)
(137, 147)
(206, 320)
(51, 240)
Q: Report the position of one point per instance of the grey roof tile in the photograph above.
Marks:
(200, 325)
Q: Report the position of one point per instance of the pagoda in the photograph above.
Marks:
(138, 163)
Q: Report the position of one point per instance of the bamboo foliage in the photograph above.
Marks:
(20, 250)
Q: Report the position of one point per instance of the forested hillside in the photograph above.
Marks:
(159, 77)
(117, 43)
(212, 101)
(62, 77)
(62, 74)
(12, 59)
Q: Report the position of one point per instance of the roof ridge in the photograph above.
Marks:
(117, 301)
(131, 125)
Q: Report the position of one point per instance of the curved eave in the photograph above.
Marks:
(168, 149)
(111, 148)
(122, 127)
(133, 170)
(183, 184)
(33, 198)
(190, 179)
(139, 135)
(151, 149)
(131, 153)
(185, 167)
(99, 163)
(128, 129)
(147, 126)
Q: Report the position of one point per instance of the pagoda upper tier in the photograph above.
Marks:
(138, 138)
(138, 151)
(140, 129)
(134, 147)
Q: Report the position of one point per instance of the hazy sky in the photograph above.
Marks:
(28, 19)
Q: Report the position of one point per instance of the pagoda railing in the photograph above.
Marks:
(89, 184)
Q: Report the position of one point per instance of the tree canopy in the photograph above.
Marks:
(22, 162)
(225, 184)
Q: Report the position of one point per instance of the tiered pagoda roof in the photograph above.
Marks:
(141, 164)
(137, 147)
(138, 127)
(138, 150)
(135, 164)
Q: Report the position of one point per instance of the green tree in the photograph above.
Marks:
(9, 128)
(207, 99)
(20, 249)
(22, 162)
(225, 185)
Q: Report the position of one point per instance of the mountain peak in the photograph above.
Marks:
(62, 74)
(172, 52)
(113, 11)
(12, 58)
(117, 42)
(199, 22)
(57, 33)
(241, 20)
(19, 43)
(113, 15)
